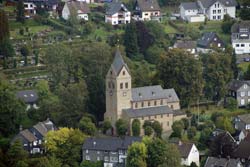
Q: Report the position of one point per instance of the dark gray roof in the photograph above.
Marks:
(153, 92)
(148, 5)
(28, 96)
(208, 3)
(244, 118)
(184, 149)
(179, 112)
(78, 6)
(236, 84)
(221, 162)
(44, 127)
(207, 39)
(115, 7)
(242, 150)
(190, 5)
(150, 111)
(185, 44)
(110, 143)
(28, 135)
(118, 62)
(44, 2)
(242, 24)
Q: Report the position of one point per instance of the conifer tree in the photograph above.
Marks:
(20, 12)
(4, 28)
(130, 41)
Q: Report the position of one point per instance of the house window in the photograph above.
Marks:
(98, 152)
(242, 101)
(219, 45)
(218, 5)
(215, 5)
(214, 17)
(245, 86)
(219, 11)
(214, 11)
(98, 158)
(149, 103)
(142, 104)
(120, 152)
(136, 105)
(161, 102)
(172, 107)
(106, 158)
(87, 157)
(237, 45)
(168, 123)
(123, 73)
(242, 94)
(87, 151)
(110, 72)
(36, 150)
(219, 17)
(121, 85)
(242, 45)
(126, 85)
(155, 102)
(25, 145)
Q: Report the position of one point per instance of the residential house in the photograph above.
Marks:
(147, 10)
(240, 37)
(75, 8)
(190, 11)
(142, 103)
(112, 150)
(186, 45)
(32, 139)
(29, 97)
(240, 90)
(242, 122)
(211, 9)
(208, 42)
(117, 13)
(222, 162)
(48, 5)
(240, 135)
(189, 153)
(29, 9)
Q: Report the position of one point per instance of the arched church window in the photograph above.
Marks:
(126, 85)
(121, 85)
(123, 73)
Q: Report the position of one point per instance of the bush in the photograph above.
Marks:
(148, 131)
(231, 104)
(136, 127)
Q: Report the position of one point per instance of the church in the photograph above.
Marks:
(142, 103)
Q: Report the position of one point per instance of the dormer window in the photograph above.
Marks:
(153, 93)
(245, 86)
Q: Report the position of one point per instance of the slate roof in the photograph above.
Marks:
(184, 149)
(148, 5)
(115, 7)
(242, 24)
(244, 118)
(190, 5)
(207, 38)
(28, 96)
(28, 135)
(153, 92)
(118, 62)
(149, 111)
(208, 3)
(236, 84)
(221, 162)
(185, 44)
(78, 6)
(110, 143)
(243, 150)
(178, 113)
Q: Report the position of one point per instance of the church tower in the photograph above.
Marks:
(118, 89)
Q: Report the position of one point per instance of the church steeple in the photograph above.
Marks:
(118, 88)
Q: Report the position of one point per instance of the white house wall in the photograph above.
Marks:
(65, 12)
(241, 47)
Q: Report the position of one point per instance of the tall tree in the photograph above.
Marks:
(130, 40)
(121, 127)
(87, 126)
(136, 127)
(137, 153)
(217, 73)
(65, 144)
(4, 28)
(181, 71)
(20, 12)
(11, 109)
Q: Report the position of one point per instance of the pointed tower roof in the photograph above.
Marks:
(118, 62)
